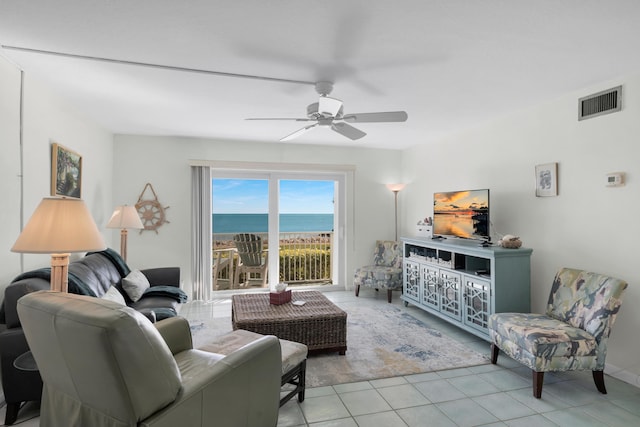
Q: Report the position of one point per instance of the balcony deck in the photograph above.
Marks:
(305, 259)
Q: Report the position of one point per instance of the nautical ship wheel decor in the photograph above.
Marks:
(151, 211)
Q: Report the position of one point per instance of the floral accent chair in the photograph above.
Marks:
(572, 335)
(386, 271)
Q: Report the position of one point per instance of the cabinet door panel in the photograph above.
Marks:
(450, 294)
(477, 297)
(411, 281)
(431, 288)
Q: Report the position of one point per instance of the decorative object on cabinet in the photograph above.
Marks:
(66, 172)
(510, 242)
(424, 228)
(125, 217)
(386, 271)
(151, 212)
(573, 333)
(59, 226)
(396, 188)
(463, 282)
(547, 180)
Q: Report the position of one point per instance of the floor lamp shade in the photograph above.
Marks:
(59, 226)
(124, 217)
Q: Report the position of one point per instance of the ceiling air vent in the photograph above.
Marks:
(605, 102)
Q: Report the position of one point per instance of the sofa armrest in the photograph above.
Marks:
(17, 290)
(168, 276)
(176, 333)
(241, 389)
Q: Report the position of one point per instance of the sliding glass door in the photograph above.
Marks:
(296, 216)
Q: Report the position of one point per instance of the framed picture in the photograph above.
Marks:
(66, 172)
(547, 180)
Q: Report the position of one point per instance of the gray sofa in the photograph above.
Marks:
(91, 275)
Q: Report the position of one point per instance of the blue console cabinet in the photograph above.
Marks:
(464, 283)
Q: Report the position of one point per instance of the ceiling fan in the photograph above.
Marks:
(329, 112)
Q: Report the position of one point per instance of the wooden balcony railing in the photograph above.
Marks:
(305, 258)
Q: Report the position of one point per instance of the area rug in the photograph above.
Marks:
(382, 342)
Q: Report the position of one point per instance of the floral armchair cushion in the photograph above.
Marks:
(588, 301)
(388, 253)
(573, 334)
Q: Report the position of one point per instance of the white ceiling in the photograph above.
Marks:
(450, 64)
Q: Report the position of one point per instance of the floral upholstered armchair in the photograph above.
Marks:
(386, 271)
(572, 335)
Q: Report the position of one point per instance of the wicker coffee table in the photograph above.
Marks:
(319, 323)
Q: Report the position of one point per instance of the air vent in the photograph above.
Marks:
(605, 102)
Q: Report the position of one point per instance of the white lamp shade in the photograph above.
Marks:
(125, 217)
(60, 225)
(396, 187)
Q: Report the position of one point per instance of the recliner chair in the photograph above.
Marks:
(104, 364)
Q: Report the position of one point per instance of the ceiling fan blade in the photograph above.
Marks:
(299, 132)
(329, 106)
(281, 118)
(389, 116)
(347, 130)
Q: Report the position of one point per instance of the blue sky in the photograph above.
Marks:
(251, 196)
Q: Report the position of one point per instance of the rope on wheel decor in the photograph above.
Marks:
(151, 212)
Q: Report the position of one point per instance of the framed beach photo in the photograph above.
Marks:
(547, 180)
(66, 172)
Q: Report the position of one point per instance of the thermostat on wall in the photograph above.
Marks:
(615, 179)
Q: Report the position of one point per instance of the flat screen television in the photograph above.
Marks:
(462, 214)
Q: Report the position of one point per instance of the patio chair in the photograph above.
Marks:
(573, 333)
(251, 259)
(221, 263)
(386, 271)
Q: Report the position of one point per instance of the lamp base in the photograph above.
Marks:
(123, 243)
(60, 272)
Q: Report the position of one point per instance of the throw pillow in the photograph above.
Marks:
(113, 294)
(135, 284)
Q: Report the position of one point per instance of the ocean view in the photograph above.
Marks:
(258, 223)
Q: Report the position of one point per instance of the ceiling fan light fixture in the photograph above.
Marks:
(328, 106)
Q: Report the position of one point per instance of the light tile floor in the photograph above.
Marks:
(487, 395)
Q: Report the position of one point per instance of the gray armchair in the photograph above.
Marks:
(104, 364)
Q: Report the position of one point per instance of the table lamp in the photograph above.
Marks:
(124, 217)
(396, 188)
(58, 227)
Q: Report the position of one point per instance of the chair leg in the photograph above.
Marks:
(494, 353)
(598, 378)
(302, 381)
(12, 413)
(538, 379)
(236, 278)
(357, 290)
(389, 295)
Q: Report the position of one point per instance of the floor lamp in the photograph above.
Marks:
(125, 217)
(59, 226)
(396, 188)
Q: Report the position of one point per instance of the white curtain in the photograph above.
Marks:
(201, 237)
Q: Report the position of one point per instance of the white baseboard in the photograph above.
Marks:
(623, 375)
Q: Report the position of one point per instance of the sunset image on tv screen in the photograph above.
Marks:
(462, 214)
